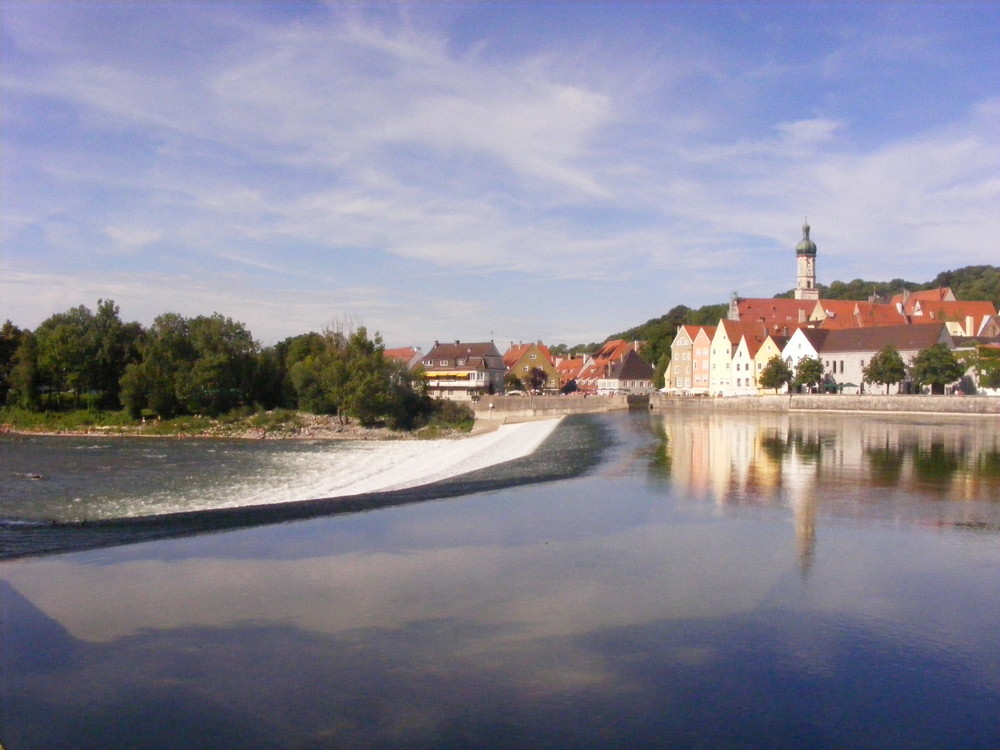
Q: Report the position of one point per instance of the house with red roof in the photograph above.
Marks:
(598, 364)
(521, 359)
(732, 370)
(690, 360)
(407, 356)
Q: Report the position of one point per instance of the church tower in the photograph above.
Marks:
(805, 258)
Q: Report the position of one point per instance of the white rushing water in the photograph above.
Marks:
(347, 468)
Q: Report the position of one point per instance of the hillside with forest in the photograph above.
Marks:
(968, 283)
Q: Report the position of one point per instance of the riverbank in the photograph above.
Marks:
(263, 426)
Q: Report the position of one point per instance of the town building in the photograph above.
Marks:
(521, 359)
(464, 371)
(630, 375)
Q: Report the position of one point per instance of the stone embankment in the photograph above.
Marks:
(501, 409)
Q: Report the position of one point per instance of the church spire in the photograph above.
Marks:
(805, 255)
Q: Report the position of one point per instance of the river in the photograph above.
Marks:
(671, 580)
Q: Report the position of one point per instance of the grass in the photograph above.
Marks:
(447, 419)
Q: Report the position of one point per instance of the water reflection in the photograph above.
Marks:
(860, 466)
(602, 610)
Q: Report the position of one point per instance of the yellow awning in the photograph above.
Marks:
(450, 374)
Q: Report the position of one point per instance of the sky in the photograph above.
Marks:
(511, 171)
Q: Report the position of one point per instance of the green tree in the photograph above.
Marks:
(205, 365)
(886, 367)
(220, 376)
(113, 345)
(166, 354)
(66, 352)
(987, 364)
(10, 340)
(660, 372)
(25, 379)
(808, 372)
(511, 382)
(936, 366)
(776, 374)
(537, 378)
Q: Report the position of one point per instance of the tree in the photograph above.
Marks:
(660, 373)
(808, 372)
(114, 345)
(202, 365)
(936, 366)
(886, 367)
(537, 378)
(511, 382)
(10, 340)
(24, 377)
(776, 374)
(66, 352)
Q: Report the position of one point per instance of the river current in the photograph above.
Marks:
(672, 580)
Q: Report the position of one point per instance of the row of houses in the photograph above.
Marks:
(728, 359)
(465, 371)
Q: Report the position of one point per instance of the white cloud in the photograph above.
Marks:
(273, 156)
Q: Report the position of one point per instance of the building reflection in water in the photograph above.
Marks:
(937, 473)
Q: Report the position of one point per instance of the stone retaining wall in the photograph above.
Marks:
(835, 402)
(515, 408)
(510, 408)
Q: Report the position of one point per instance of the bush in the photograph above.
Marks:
(448, 417)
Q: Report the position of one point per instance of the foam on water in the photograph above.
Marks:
(349, 468)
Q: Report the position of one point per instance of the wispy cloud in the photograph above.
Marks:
(290, 151)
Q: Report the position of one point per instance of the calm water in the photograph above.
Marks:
(642, 581)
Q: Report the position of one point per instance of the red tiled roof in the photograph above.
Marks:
(851, 314)
(773, 311)
(514, 354)
(403, 354)
(950, 311)
(941, 294)
(904, 337)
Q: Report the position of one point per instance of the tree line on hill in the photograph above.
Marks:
(207, 365)
(980, 283)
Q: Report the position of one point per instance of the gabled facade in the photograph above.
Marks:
(464, 371)
(678, 376)
(701, 360)
(772, 347)
(729, 377)
(805, 342)
(521, 359)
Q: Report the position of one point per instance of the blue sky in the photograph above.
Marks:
(515, 171)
